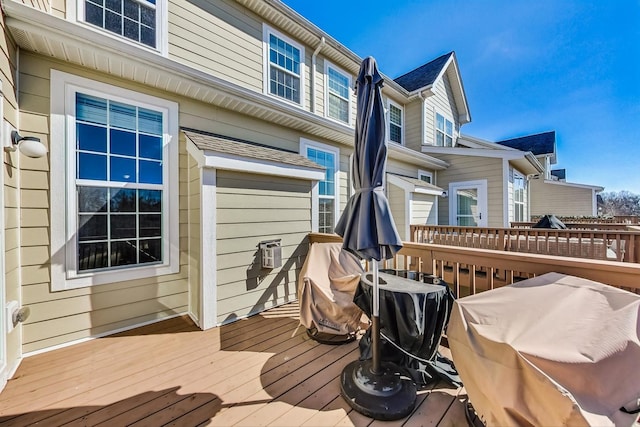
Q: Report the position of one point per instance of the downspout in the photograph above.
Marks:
(423, 125)
(313, 75)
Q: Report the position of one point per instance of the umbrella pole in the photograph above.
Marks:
(375, 321)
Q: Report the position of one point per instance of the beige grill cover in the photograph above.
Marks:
(327, 282)
(549, 351)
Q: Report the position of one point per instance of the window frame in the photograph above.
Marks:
(64, 227)
(327, 93)
(391, 103)
(76, 10)
(266, 66)
(422, 173)
(517, 176)
(444, 133)
(315, 196)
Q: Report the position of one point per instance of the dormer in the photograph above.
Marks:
(438, 85)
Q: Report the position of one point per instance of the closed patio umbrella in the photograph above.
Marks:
(375, 388)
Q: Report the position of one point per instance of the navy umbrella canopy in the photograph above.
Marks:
(376, 389)
(366, 224)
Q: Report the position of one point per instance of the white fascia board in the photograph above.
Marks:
(596, 188)
(243, 164)
(483, 143)
(400, 152)
(212, 159)
(411, 188)
(475, 152)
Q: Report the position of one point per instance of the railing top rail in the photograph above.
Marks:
(522, 230)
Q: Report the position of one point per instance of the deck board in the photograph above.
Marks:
(253, 372)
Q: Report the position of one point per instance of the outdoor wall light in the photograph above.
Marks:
(30, 146)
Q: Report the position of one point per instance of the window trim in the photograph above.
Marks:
(518, 175)
(388, 121)
(315, 196)
(64, 274)
(266, 63)
(339, 70)
(422, 173)
(75, 13)
(436, 130)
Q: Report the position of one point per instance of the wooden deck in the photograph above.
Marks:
(253, 372)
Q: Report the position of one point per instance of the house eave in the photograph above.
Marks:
(408, 155)
(70, 42)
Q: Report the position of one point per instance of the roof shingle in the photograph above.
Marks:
(226, 145)
(424, 75)
(539, 144)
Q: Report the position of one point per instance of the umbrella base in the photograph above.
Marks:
(389, 395)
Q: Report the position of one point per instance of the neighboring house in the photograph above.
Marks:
(550, 193)
(181, 137)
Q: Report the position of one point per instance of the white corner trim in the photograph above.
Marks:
(208, 249)
(506, 201)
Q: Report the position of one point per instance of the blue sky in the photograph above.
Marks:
(527, 67)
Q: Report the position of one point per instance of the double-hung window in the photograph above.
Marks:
(325, 193)
(121, 201)
(141, 21)
(519, 189)
(284, 64)
(338, 94)
(395, 123)
(444, 131)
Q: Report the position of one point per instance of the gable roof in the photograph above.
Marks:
(423, 79)
(539, 144)
(424, 75)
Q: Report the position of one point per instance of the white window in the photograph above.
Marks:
(444, 131)
(284, 66)
(141, 21)
(338, 94)
(118, 220)
(326, 192)
(425, 176)
(395, 123)
(519, 189)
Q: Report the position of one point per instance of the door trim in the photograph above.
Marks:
(481, 186)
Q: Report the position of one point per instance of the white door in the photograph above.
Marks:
(468, 203)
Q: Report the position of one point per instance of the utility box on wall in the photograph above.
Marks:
(271, 253)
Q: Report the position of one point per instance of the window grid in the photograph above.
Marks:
(135, 20)
(326, 188)
(444, 131)
(395, 124)
(519, 188)
(338, 89)
(284, 69)
(118, 226)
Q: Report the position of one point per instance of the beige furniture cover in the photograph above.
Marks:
(549, 351)
(327, 283)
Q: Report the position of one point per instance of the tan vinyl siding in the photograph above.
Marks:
(412, 125)
(221, 38)
(423, 209)
(345, 185)
(470, 168)
(42, 5)
(398, 167)
(560, 199)
(250, 209)
(59, 8)
(194, 233)
(441, 102)
(398, 205)
(61, 317)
